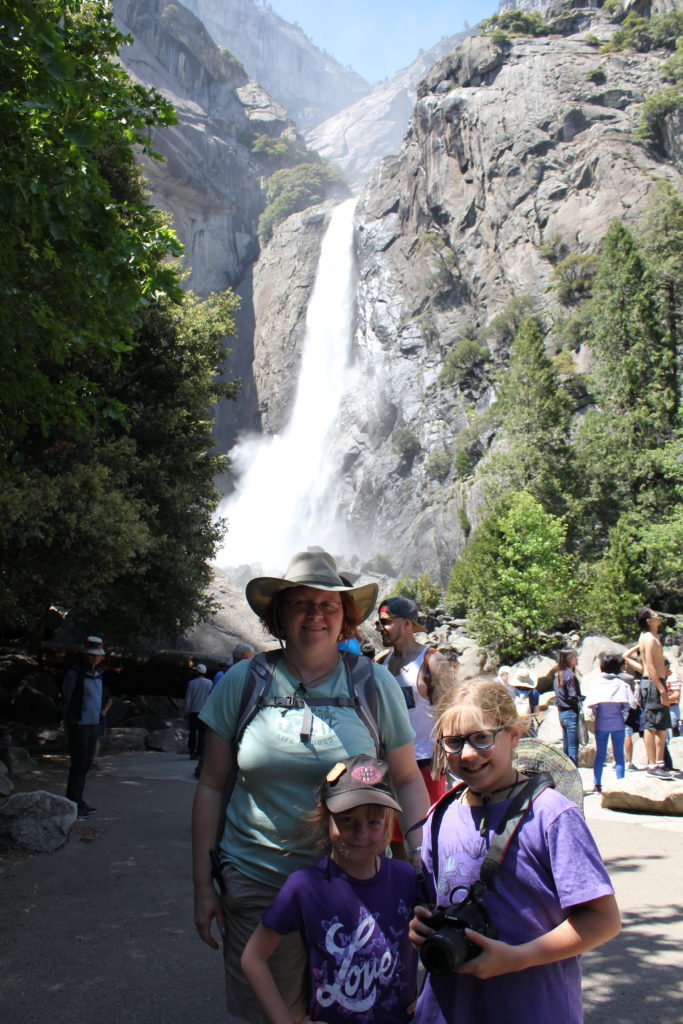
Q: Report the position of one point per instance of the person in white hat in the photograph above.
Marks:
(198, 689)
(82, 692)
(280, 757)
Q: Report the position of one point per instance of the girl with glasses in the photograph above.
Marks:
(552, 898)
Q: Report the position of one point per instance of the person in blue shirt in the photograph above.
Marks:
(82, 691)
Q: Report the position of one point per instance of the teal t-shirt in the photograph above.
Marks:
(265, 836)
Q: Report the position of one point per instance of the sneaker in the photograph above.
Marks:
(83, 812)
(660, 773)
(597, 789)
(630, 767)
(89, 809)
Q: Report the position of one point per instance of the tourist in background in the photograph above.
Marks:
(279, 760)
(568, 699)
(82, 691)
(609, 699)
(522, 687)
(425, 678)
(198, 689)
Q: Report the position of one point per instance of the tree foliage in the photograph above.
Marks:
(513, 580)
(533, 423)
(293, 189)
(425, 591)
(77, 256)
(108, 371)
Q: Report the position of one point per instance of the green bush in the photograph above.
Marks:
(655, 110)
(661, 32)
(292, 190)
(573, 277)
(439, 465)
(591, 40)
(425, 592)
(517, 23)
(463, 465)
(464, 361)
(405, 443)
(597, 75)
(464, 520)
(672, 69)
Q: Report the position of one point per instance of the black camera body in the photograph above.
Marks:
(449, 947)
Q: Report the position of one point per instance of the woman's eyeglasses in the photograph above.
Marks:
(480, 740)
(304, 607)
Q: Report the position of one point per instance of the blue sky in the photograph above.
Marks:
(378, 37)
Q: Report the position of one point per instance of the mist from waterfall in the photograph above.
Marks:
(284, 498)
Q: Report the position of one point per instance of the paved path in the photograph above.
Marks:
(101, 931)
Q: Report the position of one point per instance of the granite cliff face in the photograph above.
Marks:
(509, 147)
(310, 84)
(356, 138)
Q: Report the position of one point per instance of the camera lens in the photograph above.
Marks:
(445, 951)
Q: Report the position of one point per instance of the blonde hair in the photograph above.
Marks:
(484, 699)
(318, 824)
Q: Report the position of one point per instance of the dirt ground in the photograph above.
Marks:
(102, 929)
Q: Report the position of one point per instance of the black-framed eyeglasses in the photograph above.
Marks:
(304, 607)
(383, 623)
(482, 739)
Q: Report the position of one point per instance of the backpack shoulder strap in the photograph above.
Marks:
(360, 678)
(256, 687)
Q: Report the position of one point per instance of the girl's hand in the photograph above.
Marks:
(207, 906)
(495, 958)
(419, 930)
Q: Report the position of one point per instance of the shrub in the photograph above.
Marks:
(465, 360)
(295, 189)
(463, 465)
(517, 23)
(672, 69)
(464, 520)
(591, 40)
(573, 277)
(597, 75)
(425, 592)
(405, 443)
(439, 465)
(655, 109)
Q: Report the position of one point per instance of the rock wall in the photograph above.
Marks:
(509, 147)
(278, 55)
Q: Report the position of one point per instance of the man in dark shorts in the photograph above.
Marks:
(655, 698)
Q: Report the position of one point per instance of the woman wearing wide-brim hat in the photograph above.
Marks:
(280, 759)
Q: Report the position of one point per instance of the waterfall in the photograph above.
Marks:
(284, 498)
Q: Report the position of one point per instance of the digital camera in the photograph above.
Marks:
(449, 947)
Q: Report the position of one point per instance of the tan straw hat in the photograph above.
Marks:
(309, 569)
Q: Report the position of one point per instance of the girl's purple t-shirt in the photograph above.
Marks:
(551, 865)
(363, 967)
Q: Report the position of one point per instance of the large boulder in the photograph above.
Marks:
(642, 793)
(36, 822)
(165, 740)
(590, 650)
(17, 760)
(6, 784)
(118, 741)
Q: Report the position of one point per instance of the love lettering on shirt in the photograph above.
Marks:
(362, 968)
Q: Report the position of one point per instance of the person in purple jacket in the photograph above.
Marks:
(552, 899)
(351, 909)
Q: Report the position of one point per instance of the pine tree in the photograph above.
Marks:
(533, 423)
(633, 384)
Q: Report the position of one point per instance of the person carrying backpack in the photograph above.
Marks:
(282, 720)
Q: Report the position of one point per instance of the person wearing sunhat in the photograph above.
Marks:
(522, 687)
(82, 692)
(279, 759)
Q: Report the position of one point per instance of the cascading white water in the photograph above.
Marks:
(281, 503)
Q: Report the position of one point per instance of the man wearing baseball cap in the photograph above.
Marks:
(82, 691)
(425, 677)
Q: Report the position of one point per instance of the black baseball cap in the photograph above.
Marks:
(358, 780)
(402, 608)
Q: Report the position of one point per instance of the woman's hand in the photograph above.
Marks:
(207, 906)
(419, 929)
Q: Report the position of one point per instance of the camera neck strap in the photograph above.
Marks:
(504, 834)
